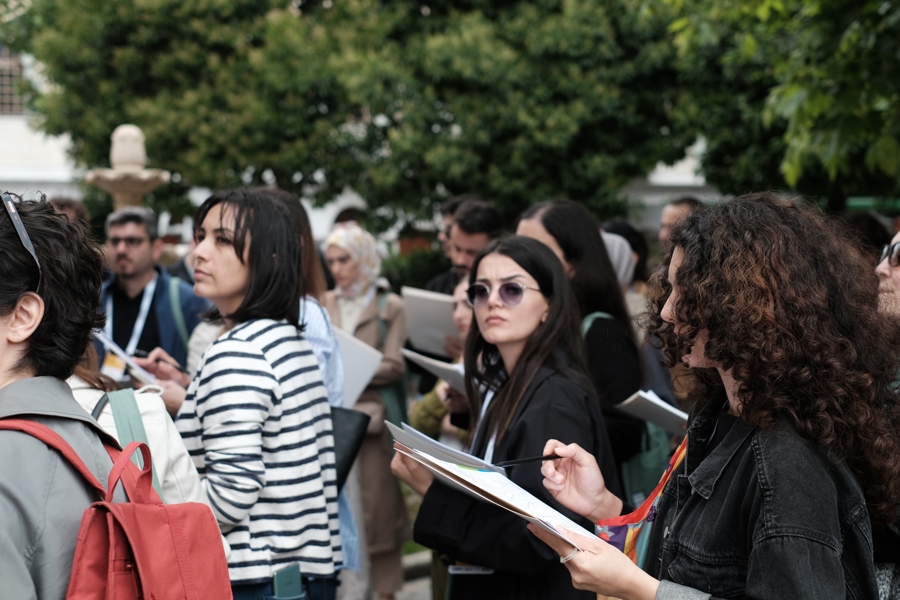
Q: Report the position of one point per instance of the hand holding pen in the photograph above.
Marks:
(163, 366)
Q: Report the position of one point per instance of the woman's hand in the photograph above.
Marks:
(600, 568)
(411, 473)
(457, 401)
(453, 346)
(173, 396)
(163, 367)
(576, 482)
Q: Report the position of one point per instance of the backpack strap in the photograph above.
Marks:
(55, 441)
(589, 320)
(177, 313)
(129, 424)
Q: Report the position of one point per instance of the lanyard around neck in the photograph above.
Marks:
(141, 320)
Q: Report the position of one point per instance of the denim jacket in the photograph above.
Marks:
(768, 514)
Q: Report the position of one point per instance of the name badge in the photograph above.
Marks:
(113, 366)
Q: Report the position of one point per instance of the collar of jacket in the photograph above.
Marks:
(48, 397)
(704, 476)
(370, 312)
(479, 444)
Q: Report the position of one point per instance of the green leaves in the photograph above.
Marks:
(517, 101)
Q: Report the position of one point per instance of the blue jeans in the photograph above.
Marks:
(315, 588)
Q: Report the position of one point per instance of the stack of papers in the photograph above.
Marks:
(429, 319)
(361, 361)
(648, 406)
(482, 480)
(452, 373)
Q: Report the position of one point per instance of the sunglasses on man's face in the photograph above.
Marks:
(890, 252)
(511, 293)
(10, 206)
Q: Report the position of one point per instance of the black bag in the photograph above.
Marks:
(349, 430)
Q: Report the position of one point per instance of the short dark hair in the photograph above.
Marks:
(690, 202)
(134, 214)
(312, 282)
(594, 282)
(638, 244)
(273, 261)
(478, 216)
(62, 203)
(449, 208)
(556, 342)
(72, 268)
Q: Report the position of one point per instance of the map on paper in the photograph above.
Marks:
(491, 485)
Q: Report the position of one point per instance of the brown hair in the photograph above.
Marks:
(790, 306)
(88, 370)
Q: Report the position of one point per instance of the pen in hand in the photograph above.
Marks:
(143, 354)
(522, 461)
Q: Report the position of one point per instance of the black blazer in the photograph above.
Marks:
(479, 533)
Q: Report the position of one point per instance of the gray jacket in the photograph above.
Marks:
(42, 497)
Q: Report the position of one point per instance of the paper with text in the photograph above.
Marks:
(361, 361)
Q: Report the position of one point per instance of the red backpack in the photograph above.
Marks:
(141, 549)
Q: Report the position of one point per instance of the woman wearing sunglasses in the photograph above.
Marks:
(50, 273)
(796, 444)
(529, 382)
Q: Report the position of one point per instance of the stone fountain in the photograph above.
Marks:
(128, 181)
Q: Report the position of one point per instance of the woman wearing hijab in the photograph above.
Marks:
(362, 304)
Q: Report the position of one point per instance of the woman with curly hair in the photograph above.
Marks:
(796, 444)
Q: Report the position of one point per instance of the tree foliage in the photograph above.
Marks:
(813, 89)
(407, 103)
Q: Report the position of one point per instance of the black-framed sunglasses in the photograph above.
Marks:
(10, 206)
(891, 252)
(511, 293)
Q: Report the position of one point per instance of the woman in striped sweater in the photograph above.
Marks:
(256, 417)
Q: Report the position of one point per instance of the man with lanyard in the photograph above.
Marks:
(145, 307)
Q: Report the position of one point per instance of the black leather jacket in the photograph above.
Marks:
(767, 514)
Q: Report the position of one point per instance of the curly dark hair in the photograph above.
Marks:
(72, 267)
(790, 306)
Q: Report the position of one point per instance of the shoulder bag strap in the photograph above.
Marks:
(129, 424)
(177, 312)
(101, 404)
(55, 441)
(589, 320)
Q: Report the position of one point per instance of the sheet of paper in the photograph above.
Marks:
(360, 363)
(416, 440)
(141, 375)
(429, 318)
(497, 489)
(452, 373)
(648, 406)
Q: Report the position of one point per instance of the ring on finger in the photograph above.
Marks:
(569, 556)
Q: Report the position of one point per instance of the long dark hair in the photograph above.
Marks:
(274, 258)
(790, 306)
(594, 282)
(555, 343)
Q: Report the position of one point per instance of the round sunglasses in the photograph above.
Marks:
(510, 292)
(891, 252)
